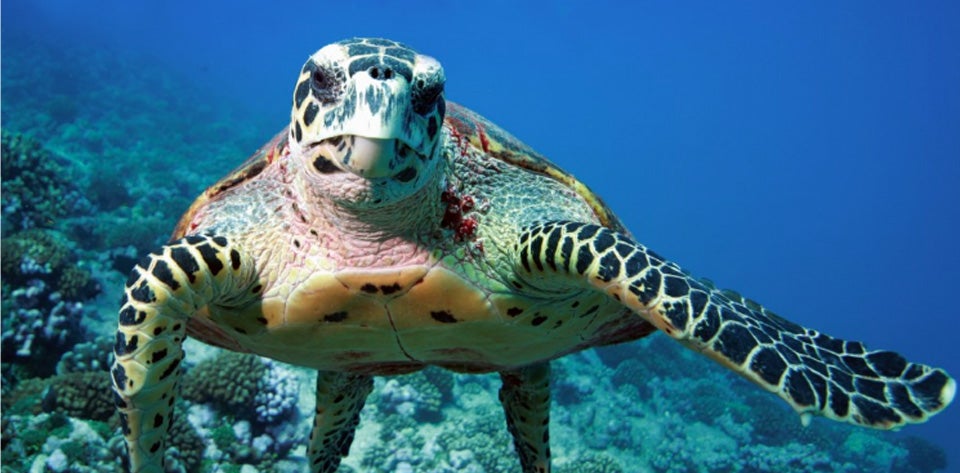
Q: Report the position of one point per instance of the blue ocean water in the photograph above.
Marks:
(807, 155)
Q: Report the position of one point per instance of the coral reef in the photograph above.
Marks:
(46, 255)
(38, 186)
(82, 395)
(88, 356)
(56, 443)
(44, 289)
(593, 463)
(251, 387)
(420, 395)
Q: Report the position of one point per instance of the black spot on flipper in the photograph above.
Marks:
(799, 388)
(170, 369)
(157, 420)
(514, 311)
(603, 240)
(143, 293)
(125, 424)
(698, 302)
(525, 259)
(566, 251)
(707, 326)
(443, 316)
(769, 365)
(788, 353)
(675, 286)
(815, 365)
(853, 348)
(539, 319)
(819, 385)
(553, 247)
(874, 413)
(209, 255)
(760, 335)
(887, 363)
(839, 401)
(536, 247)
(158, 355)
(130, 316)
(584, 259)
(913, 372)
(609, 267)
(929, 390)
(118, 401)
(871, 388)
(735, 342)
(119, 376)
(900, 399)
(859, 366)
(636, 263)
(335, 316)
(677, 313)
(186, 262)
(123, 346)
(830, 343)
(842, 378)
(234, 259)
(162, 272)
(369, 288)
(587, 232)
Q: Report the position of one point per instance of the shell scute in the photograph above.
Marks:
(471, 129)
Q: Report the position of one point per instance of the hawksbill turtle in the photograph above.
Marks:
(387, 229)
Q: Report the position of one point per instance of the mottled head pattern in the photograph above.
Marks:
(372, 108)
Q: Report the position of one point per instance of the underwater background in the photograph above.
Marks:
(805, 154)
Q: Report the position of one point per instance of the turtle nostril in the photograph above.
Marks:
(380, 73)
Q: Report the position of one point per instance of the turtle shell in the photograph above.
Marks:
(256, 163)
(465, 124)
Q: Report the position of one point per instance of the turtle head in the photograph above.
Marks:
(367, 115)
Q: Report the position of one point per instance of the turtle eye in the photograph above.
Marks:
(320, 80)
(326, 84)
(425, 96)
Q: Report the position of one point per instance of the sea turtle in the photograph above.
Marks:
(386, 230)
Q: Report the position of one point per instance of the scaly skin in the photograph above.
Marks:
(387, 230)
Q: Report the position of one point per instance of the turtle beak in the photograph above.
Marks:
(363, 156)
(372, 157)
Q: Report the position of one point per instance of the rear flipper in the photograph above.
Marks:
(815, 373)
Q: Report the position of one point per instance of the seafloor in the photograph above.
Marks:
(101, 152)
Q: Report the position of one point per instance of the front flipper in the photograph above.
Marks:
(340, 398)
(815, 373)
(525, 395)
(164, 290)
